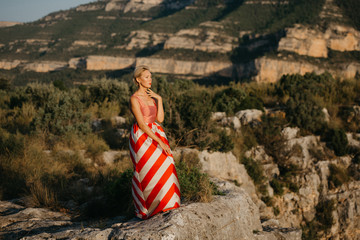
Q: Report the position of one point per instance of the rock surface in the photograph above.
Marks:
(210, 41)
(233, 216)
(45, 66)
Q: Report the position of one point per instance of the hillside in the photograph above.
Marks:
(260, 40)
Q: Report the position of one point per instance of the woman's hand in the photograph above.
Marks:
(151, 94)
(165, 147)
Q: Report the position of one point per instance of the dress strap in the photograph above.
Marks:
(139, 99)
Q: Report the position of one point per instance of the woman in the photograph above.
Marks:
(155, 186)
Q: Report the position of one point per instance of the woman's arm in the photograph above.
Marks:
(135, 109)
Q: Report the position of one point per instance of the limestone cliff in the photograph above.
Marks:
(315, 43)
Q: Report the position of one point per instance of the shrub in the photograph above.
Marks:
(95, 146)
(118, 194)
(324, 214)
(276, 210)
(338, 176)
(194, 185)
(254, 170)
(105, 90)
(277, 186)
(60, 85)
(223, 144)
(322, 222)
(229, 100)
(337, 140)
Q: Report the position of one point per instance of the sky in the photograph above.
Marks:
(31, 10)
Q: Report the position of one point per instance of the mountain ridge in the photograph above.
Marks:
(238, 34)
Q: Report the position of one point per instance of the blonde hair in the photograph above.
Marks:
(138, 71)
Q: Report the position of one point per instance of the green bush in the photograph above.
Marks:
(337, 140)
(278, 186)
(118, 194)
(194, 185)
(338, 176)
(254, 170)
(229, 100)
(324, 214)
(223, 144)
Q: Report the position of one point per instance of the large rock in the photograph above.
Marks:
(249, 115)
(227, 167)
(233, 216)
(232, 122)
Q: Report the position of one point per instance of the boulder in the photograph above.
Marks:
(227, 167)
(249, 115)
(232, 122)
(216, 116)
(289, 133)
(233, 216)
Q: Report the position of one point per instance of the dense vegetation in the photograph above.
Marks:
(52, 136)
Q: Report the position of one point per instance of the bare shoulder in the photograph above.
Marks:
(134, 100)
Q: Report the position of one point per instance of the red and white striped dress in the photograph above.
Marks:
(155, 185)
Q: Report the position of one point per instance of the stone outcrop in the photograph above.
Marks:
(296, 208)
(272, 69)
(94, 6)
(45, 66)
(210, 41)
(227, 167)
(141, 39)
(171, 66)
(143, 5)
(108, 63)
(7, 65)
(315, 43)
(304, 41)
(249, 115)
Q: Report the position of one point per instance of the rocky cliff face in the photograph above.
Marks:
(315, 43)
(143, 5)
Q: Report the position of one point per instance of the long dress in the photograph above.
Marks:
(155, 185)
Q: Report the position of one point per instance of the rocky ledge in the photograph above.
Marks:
(232, 216)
